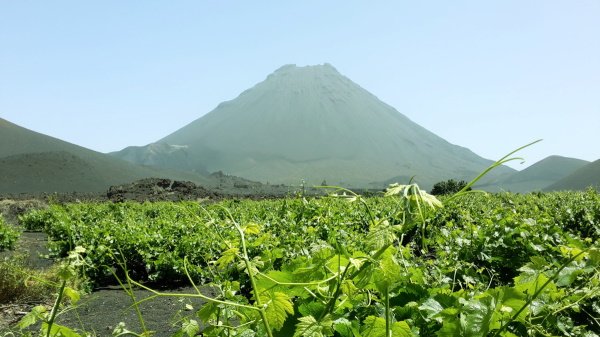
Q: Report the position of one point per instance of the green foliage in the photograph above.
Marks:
(397, 265)
(448, 187)
(67, 275)
(20, 283)
(278, 307)
(8, 235)
(376, 327)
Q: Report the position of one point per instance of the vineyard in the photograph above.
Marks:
(399, 264)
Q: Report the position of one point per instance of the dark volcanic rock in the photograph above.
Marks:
(156, 189)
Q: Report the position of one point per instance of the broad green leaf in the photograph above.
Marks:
(349, 288)
(252, 228)
(207, 312)
(274, 275)
(345, 328)
(510, 301)
(388, 271)
(538, 263)
(568, 275)
(265, 284)
(191, 327)
(530, 283)
(432, 308)
(279, 305)
(413, 192)
(308, 327)
(569, 252)
(375, 327)
(401, 329)
(66, 272)
(476, 316)
(337, 262)
(72, 294)
(33, 316)
(450, 328)
(59, 330)
(314, 309)
(228, 257)
(395, 189)
(380, 235)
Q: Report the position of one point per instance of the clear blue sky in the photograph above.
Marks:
(487, 75)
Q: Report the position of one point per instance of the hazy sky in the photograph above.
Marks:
(487, 75)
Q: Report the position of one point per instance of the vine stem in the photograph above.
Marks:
(536, 294)
(388, 318)
(55, 307)
(129, 289)
(259, 304)
(263, 314)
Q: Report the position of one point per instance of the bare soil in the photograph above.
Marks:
(100, 312)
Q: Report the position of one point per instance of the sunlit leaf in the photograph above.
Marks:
(279, 306)
(228, 257)
(376, 327)
(32, 317)
(252, 228)
(308, 326)
(191, 327)
(72, 294)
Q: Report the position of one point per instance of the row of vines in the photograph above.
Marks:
(403, 264)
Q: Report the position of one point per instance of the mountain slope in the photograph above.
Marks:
(33, 162)
(539, 175)
(588, 175)
(315, 124)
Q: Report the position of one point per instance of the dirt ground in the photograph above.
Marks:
(100, 312)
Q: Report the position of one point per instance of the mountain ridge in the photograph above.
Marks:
(315, 124)
(34, 162)
(537, 176)
(584, 177)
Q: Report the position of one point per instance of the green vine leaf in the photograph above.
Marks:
(72, 294)
(37, 313)
(375, 327)
(388, 272)
(310, 327)
(278, 307)
(228, 257)
(191, 327)
(252, 228)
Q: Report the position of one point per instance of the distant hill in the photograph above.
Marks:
(586, 176)
(48, 172)
(315, 124)
(161, 155)
(537, 176)
(33, 162)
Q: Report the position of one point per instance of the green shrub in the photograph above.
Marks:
(450, 186)
(19, 283)
(8, 235)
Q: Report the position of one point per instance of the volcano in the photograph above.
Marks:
(311, 124)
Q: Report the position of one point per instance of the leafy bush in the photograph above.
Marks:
(19, 283)
(482, 265)
(8, 235)
(447, 187)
